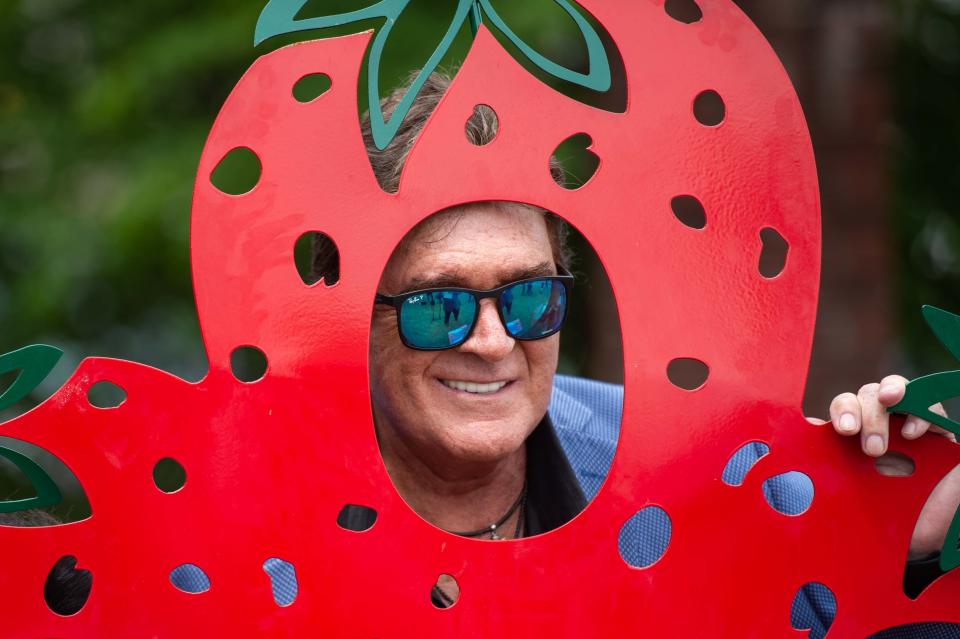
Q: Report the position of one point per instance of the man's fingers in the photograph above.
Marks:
(845, 414)
(875, 424)
(940, 410)
(914, 427)
(892, 390)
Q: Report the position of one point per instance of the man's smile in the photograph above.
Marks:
(478, 388)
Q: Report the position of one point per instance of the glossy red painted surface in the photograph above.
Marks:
(270, 464)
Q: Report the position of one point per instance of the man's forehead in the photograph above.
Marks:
(464, 246)
(476, 220)
(487, 275)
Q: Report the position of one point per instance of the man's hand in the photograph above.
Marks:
(865, 414)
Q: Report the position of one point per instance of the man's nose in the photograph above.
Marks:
(489, 339)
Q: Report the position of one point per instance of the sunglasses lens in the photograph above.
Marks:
(534, 309)
(436, 320)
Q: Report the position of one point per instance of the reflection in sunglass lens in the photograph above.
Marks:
(534, 309)
(438, 319)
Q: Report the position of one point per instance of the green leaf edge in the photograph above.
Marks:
(598, 76)
(34, 363)
(47, 492)
(279, 17)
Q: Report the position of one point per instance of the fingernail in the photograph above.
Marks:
(848, 423)
(885, 389)
(910, 429)
(875, 445)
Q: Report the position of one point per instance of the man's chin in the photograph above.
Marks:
(486, 442)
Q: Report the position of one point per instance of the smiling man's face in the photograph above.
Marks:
(422, 400)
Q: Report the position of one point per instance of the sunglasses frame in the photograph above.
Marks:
(564, 277)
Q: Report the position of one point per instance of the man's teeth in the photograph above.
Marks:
(474, 387)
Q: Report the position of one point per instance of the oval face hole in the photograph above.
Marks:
(689, 211)
(573, 163)
(445, 592)
(709, 109)
(644, 538)
(773, 254)
(168, 475)
(789, 493)
(515, 247)
(482, 127)
(248, 364)
(106, 395)
(283, 581)
(310, 87)
(190, 578)
(317, 258)
(742, 461)
(238, 172)
(686, 11)
(67, 587)
(687, 373)
(812, 600)
(894, 464)
(356, 518)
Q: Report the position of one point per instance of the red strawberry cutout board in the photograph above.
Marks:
(270, 464)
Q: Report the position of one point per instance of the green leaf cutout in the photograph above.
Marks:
(924, 392)
(47, 492)
(597, 77)
(34, 363)
(280, 17)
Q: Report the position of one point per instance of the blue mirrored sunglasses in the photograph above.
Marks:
(435, 319)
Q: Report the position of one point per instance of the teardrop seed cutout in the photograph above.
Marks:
(689, 211)
(168, 475)
(804, 616)
(709, 109)
(742, 461)
(445, 592)
(310, 87)
(190, 578)
(688, 373)
(686, 11)
(789, 493)
(482, 127)
(356, 518)
(106, 395)
(578, 163)
(895, 464)
(317, 257)
(773, 254)
(283, 581)
(644, 538)
(67, 587)
(248, 363)
(238, 172)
